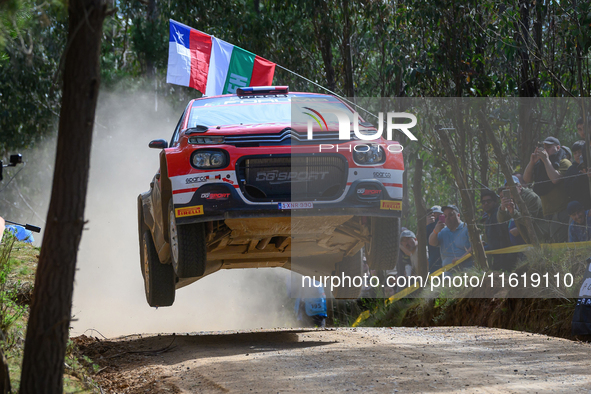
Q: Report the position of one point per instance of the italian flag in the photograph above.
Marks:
(213, 66)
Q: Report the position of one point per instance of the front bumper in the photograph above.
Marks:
(220, 201)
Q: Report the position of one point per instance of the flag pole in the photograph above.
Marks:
(322, 87)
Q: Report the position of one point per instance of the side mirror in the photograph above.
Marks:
(16, 159)
(158, 144)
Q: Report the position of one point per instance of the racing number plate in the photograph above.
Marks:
(295, 205)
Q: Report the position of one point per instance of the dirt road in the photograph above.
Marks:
(385, 360)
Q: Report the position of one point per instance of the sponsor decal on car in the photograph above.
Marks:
(228, 180)
(196, 179)
(215, 196)
(368, 192)
(188, 211)
(391, 205)
(276, 177)
(381, 174)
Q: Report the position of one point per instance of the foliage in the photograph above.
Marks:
(10, 310)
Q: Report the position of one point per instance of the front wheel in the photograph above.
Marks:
(158, 278)
(187, 247)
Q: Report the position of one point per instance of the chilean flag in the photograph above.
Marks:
(213, 66)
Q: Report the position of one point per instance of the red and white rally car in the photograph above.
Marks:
(247, 181)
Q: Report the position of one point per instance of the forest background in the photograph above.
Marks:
(468, 49)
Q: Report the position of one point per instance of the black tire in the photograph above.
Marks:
(350, 266)
(382, 252)
(159, 279)
(187, 247)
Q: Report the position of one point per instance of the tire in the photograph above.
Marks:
(159, 279)
(350, 266)
(382, 252)
(187, 247)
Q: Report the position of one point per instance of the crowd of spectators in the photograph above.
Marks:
(555, 192)
(554, 189)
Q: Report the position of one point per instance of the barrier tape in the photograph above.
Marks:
(511, 249)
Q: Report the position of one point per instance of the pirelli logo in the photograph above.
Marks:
(391, 205)
(188, 211)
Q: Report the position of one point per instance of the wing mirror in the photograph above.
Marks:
(158, 144)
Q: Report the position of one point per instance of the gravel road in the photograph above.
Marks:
(384, 360)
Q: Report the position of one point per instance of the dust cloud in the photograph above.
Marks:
(109, 294)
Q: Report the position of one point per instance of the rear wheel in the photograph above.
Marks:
(158, 278)
(351, 267)
(187, 247)
(382, 251)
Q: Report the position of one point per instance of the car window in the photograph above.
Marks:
(224, 111)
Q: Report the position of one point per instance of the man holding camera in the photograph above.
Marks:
(546, 168)
(451, 235)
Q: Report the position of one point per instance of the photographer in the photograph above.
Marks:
(546, 168)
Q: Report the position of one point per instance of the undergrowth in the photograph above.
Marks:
(548, 311)
(18, 263)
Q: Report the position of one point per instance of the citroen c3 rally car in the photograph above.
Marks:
(261, 179)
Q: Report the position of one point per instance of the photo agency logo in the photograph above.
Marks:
(365, 135)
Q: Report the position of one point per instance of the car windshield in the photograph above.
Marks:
(225, 111)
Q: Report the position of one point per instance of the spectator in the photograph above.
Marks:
(509, 210)
(497, 233)
(451, 237)
(514, 234)
(579, 229)
(519, 177)
(569, 154)
(576, 182)
(434, 255)
(546, 169)
(410, 256)
(578, 152)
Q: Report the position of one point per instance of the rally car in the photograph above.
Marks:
(263, 178)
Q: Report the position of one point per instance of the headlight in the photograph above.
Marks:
(209, 159)
(213, 140)
(368, 154)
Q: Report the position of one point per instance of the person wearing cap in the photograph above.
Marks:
(546, 168)
(497, 233)
(410, 258)
(509, 210)
(451, 236)
(579, 229)
(434, 256)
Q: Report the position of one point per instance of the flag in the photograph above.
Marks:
(211, 65)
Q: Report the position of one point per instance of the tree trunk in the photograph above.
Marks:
(346, 50)
(47, 331)
(469, 211)
(527, 85)
(508, 172)
(421, 214)
(324, 36)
